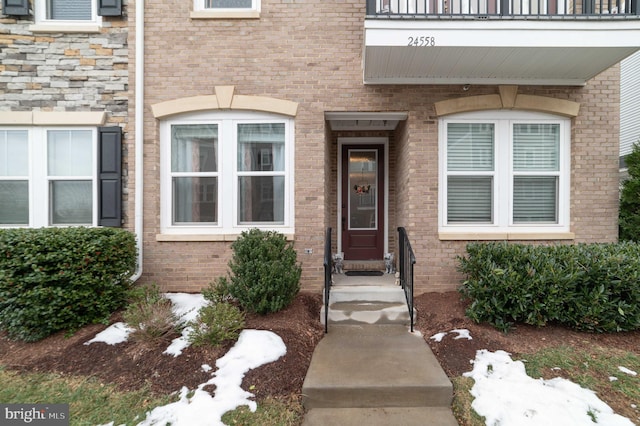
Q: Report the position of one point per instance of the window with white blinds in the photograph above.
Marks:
(470, 167)
(536, 172)
(68, 13)
(227, 5)
(69, 10)
(504, 171)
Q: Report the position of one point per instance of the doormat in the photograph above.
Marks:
(363, 273)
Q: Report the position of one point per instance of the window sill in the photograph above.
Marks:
(204, 237)
(206, 14)
(53, 28)
(505, 236)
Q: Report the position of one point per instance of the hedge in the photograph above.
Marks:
(589, 287)
(54, 279)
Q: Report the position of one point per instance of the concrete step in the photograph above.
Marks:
(367, 304)
(367, 313)
(380, 416)
(366, 293)
(370, 366)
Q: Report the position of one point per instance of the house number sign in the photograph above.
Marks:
(421, 41)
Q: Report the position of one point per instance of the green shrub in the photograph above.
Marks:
(590, 287)
(265, 276)
(629, 217)
(55, 279)
(150, 315)
(216, 323)
(218, 291)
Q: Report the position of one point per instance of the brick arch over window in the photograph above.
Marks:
(224, 99)
(508, 98)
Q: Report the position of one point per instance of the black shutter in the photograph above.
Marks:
(15, 7)
(110, 7)
(110, 176)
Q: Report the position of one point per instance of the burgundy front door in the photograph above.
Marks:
(362, 204)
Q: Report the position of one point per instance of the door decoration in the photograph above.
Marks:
(364, 187)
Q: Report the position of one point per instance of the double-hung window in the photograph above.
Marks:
(223, 173)
(504, 172)
(227, 8)
(68, 13)
(47, 177)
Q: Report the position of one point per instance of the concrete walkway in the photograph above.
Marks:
(375, 375)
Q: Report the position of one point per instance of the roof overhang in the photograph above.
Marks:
(495, 51)
(360, 121)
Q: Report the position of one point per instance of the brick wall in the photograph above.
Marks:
(310, 52)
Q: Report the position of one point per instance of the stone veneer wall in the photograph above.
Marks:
(64, 71)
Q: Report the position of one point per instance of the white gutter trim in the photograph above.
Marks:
(139, 135)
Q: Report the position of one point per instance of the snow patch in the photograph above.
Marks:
(112, 335)
(199, 408)
(505, 395)
(627, 371)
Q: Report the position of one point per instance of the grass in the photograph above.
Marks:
(590, 368)
(90, 402)
(462, 401)
(270, 412)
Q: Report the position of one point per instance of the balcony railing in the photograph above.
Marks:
(525, 9)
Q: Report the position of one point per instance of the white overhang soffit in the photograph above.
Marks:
(541, 52)
(364, 120)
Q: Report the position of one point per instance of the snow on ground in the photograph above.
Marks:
(505, 395)
(625, 370)
(438, 336)
(186, 307)
(462, 333)
(200, 408)
(112, 335)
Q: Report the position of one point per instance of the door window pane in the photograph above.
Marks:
(194, 148)
(261, 199)
(469, 199)
(70, 152)
(363, 178)
(535, 199)
(261, 147)
(71, 202)
(195, 200)
(14, 202)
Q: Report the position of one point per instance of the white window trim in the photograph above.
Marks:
(39, 201)
(200, 12)
(503, 226)
(42, 24)
(227, 170)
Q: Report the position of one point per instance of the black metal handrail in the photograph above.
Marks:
(327, 277)
(525, 9)
(405, 267)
